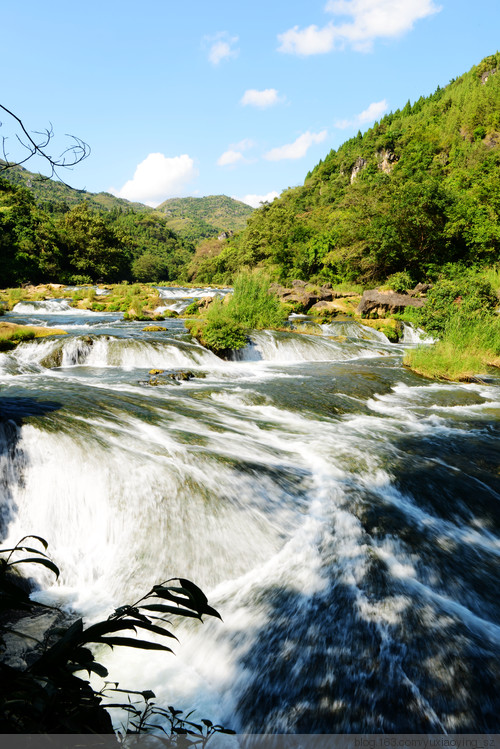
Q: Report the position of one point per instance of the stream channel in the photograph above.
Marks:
(339, 511)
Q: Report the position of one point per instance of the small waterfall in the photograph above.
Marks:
(415, 335)
(355, 331)
(292, 348)
(176, 292)
(109, 351)
(48, 307)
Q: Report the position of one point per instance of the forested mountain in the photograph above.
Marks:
(418, 190)
(201, 218)
(51, 232)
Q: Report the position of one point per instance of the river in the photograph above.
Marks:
(339, 511)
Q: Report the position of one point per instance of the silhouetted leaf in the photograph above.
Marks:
(132, 643)
(164, 609)
(37, 560)
(38, 538)
(193, 590)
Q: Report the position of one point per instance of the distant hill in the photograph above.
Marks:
(53, 193)
(193, 219)
(201, 218)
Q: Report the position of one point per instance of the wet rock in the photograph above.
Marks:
(54, 359)
(171, 378)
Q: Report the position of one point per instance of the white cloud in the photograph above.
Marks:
(369, 20)
(370, 114)
(263, 99)
(310, 41)
(256, 200)
(222, 47)
(230, 157)
(157, 178)
(373, 112)
(298, 148)
(234, 153)
(243, 145)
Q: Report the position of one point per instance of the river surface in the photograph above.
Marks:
(340, 512)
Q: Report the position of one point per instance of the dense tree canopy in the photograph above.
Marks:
(417, 190)
(51, 242)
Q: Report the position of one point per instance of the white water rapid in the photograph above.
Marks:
(340, 512)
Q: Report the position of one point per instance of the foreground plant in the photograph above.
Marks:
(45, 696)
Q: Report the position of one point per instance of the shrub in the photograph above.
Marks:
(220, 336)
(193, 309)
(470, 295)
(400, 282)
(78, 280)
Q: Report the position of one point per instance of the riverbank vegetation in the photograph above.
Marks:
(462, 311)
(223, 326)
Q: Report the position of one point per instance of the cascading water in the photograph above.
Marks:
(340, 512)
(178, 299)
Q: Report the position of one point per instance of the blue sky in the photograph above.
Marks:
(233, 98)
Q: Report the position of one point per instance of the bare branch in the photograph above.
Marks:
(35, 144)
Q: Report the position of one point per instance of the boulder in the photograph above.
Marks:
(420, 288)
(305, 298)
(381, 302)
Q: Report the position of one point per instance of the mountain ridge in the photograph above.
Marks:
(193, 218)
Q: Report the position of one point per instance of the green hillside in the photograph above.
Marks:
(417, 191)
(52, 194)
(193, 219)
(202, 218)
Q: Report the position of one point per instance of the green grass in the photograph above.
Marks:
(467, 348)
(223, 326)
(251, 304)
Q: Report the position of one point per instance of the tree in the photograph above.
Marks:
(93, 247)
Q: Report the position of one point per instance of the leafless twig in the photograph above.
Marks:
(35, 144)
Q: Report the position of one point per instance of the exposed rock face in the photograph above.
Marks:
(381, 302)
(358, 167)
(492, 140)
(420, 289)
(386, 160)
(487, 74)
